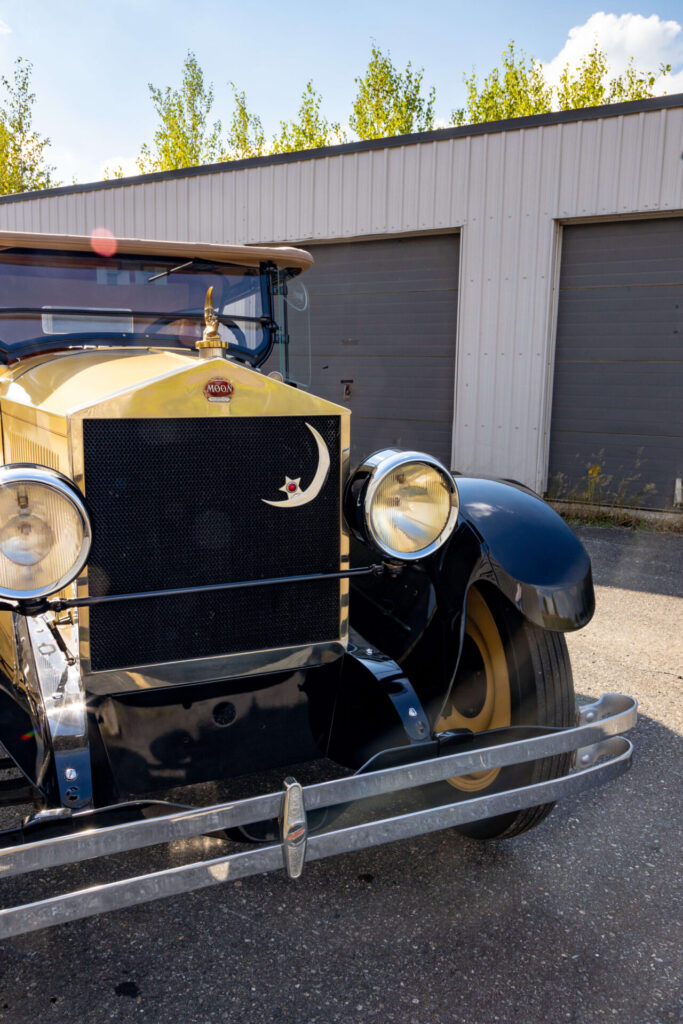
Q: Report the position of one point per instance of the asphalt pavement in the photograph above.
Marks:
(577, 921)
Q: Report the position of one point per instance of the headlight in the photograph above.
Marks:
(403, 503)
(44, 531)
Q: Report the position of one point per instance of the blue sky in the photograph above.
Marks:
(93, 60)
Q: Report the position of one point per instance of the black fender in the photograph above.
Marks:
(536, 560)
(506, 537)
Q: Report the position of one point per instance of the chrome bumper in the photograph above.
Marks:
(600, 755)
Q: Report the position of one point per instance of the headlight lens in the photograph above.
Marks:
(410, 508)
(44, 531)
(403, 503)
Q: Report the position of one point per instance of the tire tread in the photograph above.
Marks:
(555, 697)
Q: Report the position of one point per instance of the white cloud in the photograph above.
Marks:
(4, 28)
(671, 84)
(650, 41)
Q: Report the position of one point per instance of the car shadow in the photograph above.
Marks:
(634, 559)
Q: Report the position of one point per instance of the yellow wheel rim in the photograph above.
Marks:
(494, 711)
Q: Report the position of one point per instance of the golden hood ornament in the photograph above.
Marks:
(211, 343)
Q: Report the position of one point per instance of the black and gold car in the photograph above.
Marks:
(196, 585)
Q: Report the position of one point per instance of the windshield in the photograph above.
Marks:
(62, 300)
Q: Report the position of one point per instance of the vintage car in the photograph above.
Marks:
(196, 584)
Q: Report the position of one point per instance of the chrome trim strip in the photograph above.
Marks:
(344, 540)
(203, 670)
(615, 713)
(54, 680)
(172, 881)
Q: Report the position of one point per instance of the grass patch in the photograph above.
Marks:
(619, 518)
(598, 499)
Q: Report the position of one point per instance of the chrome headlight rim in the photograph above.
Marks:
(32, 473)
(375, 469)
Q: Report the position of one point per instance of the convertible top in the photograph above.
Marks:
(243, 255)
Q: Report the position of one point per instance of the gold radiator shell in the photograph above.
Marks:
(43, 403)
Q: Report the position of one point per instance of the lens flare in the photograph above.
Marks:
(103, 242)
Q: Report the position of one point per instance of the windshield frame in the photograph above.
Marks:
(166, 266)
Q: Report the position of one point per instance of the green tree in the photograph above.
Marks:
(589, 85)
(310, 129)
(22, 150)
(520, 87)
(184, 137)
(390, 102)
(245, 137)
(515, 90)
(111, 173)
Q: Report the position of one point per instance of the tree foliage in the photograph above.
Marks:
(310, 129)
(22, 150)
(519, 87)
(589, 85)
(390, 102)
(516, 89)
(245, 137)
(110, 173)
(184, 137)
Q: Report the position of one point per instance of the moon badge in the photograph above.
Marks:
(295, 496)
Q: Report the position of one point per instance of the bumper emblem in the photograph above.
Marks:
(293, 828)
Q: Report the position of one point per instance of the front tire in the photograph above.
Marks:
(511, 673)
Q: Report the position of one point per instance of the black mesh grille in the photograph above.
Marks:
(177, 503)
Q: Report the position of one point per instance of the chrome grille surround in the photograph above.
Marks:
(219, 472)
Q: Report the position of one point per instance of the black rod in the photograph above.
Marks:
(177, 314)
(87, 602)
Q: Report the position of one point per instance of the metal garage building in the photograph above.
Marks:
(508, 296)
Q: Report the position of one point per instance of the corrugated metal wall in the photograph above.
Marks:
(506, 190)
(617, 418)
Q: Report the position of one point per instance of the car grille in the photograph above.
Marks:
(178, 503)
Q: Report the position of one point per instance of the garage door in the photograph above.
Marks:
(617, 415)
(383, 327)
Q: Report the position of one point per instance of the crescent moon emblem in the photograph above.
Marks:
(295, 495)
